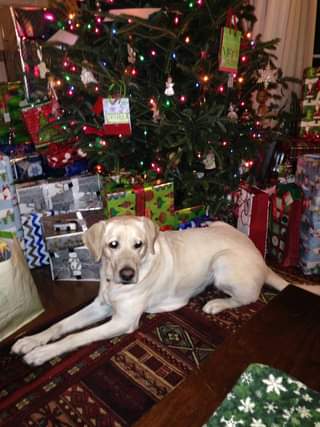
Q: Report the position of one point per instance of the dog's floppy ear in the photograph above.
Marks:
(152, 232)
(93, 239)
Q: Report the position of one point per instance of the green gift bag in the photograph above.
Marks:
(229, 50)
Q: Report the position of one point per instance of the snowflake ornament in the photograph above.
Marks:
(267, 76)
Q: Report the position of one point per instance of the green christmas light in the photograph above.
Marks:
(141, 57)
(67, 77)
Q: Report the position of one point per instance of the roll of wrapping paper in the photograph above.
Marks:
(4, 251)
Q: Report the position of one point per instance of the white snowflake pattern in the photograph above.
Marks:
(303, 412)
(300, 386)
(246, 378)
(317, 425)
(274, 384)
(257, 423)
(231, 422)
(307, 397)
(270, 407)
(247, 405)
(230, 396)
(287, 413)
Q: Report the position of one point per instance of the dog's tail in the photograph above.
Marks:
(277, 282)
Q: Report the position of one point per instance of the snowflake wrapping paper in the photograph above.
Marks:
(266, 397)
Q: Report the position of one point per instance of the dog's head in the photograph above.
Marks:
(125, 242)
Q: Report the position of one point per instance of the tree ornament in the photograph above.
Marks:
(131, 54)
(209, 161)
(262, 97)
(267, 76)
(99, 169)
(169, 91)
(155, 111)
(232, 115)
(86, 75)
(43, 70)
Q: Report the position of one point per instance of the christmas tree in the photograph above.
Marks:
(191, 72)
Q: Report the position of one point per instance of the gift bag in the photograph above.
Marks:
(253, 215)
(284, 227)
(116, 116)
(229, 50)
(19, 299)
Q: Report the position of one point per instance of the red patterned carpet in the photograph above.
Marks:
(114, 382)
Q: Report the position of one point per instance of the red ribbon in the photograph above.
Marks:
(140, 199)
(231, 20)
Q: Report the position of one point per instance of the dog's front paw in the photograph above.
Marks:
(214, 306)
(39, 355)
(25, 345)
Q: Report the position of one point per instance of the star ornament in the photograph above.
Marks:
(267, 76)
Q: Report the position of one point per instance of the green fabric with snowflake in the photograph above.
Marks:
(267, 397)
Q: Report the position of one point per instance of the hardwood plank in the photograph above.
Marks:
(285, 335)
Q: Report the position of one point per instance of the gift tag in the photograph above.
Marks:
(229, 50)
(117, 116)
(6, 117)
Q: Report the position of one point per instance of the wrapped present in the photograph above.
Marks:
(40, 121)
(200, 221)
(27, 167)
(10, 220)
(74, 264)
(188, 214)
(155, 201)
(64, 231)
(310, 123)
(307, 176)
(284, 226)
(65, 195)
(253, 215)
(69, 259)
(11, 98)
(34, 245)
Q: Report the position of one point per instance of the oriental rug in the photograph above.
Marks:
(114, 382)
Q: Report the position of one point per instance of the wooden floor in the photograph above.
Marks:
(58, 299)
(285, 334)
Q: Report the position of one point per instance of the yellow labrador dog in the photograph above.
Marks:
(143, 270)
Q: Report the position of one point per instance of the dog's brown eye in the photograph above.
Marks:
(138, 244)
(114, 244)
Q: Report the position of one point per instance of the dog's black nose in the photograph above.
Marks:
(127, 274)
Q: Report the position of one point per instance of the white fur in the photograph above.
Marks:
(168, 270)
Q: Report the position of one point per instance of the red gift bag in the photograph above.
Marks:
(253, 215)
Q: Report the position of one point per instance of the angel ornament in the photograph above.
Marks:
(169, 91)
(209, 161)
(232, 115)
(131, 54)
(155, 112)
(87, 76)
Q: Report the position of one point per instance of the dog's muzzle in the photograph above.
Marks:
(127, 275)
